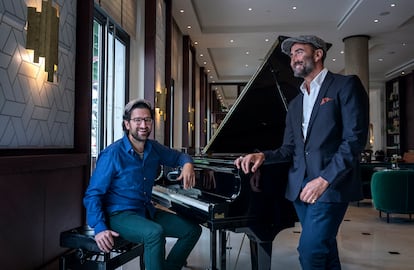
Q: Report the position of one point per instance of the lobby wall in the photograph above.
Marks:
(44, 141)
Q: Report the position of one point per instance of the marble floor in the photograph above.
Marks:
(365, 242)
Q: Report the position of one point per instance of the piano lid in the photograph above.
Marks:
(256, 121)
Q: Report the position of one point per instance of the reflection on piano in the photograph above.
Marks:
(224, 199)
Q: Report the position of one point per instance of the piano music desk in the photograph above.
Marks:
(85, 254)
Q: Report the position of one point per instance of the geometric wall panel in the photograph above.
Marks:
(35, 113)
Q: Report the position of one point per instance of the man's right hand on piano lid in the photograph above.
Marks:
(105, 240)
(245, 162)
(187, 175)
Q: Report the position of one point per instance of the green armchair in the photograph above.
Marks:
(393, 192)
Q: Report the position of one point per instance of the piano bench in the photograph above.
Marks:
(85, 254)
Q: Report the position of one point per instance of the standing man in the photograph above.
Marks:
(326, 130)
(118, 199)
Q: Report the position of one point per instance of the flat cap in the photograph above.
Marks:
(307, 39)
(135, 102)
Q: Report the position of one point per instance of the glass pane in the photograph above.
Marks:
(119, 98)
(108, 87)
(96, 86)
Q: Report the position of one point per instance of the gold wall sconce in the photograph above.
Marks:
(191, 116)
(43, 35)
(160, 101)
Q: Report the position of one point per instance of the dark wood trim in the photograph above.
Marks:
(168, 76)
(35, 163)
(203, 107)
(186, 89)
(150, 50)
(83, 76)
(193, 96)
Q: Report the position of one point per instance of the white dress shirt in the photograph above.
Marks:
(310, 98)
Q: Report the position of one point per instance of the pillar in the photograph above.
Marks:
(356, 63)
(356, 57)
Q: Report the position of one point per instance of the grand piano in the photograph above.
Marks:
(224, 199)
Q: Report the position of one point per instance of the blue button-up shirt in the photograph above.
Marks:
(123, 181)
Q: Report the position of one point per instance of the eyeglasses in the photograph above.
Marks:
(138, 120)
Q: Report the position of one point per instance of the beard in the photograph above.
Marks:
(303, 68)
(140, 135)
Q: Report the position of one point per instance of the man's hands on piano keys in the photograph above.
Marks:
(187, 175)
(250, 163)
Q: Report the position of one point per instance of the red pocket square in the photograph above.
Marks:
(326, 99)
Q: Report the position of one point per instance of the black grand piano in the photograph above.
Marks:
(224, 199)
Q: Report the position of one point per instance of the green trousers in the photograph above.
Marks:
(152, 233)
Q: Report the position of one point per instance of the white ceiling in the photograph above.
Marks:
(214, 23)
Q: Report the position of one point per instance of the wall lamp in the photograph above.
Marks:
(191, 115)
(160, 101)
(43, 36)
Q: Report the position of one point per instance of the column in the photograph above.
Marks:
(356, 63)
(356, 57)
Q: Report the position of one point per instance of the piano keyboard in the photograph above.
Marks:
(173, 195)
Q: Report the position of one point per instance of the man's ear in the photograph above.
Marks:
(127, 124)
(318, 54)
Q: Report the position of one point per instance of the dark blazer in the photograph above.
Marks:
(336, 135)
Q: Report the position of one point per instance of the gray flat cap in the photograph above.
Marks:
(314, 40)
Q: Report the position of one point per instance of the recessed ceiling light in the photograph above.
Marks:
(205, 63)
(181, 10)
(376, 21)
(294, 7)
(250, 9)
(392, 5)
(380, 59)
(404, 44)
(188, 26)
(201, 55)
(195, 42)
(247, 52)
(266, 39)
(333, 59)
(341, 52)
(246, 65)
(231, 40)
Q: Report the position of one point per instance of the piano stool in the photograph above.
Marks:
(85, 254)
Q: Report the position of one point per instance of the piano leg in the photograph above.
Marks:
(213, 254)
(260, 255)
(222, 249)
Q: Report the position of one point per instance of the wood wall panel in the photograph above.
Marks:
(40, 196)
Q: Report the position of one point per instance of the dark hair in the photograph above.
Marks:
(134, 104)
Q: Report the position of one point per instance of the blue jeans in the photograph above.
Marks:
(320, 223)
(152, 233)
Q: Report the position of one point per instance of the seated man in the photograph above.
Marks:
(118, 199)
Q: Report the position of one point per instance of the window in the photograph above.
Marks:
(109, 82)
